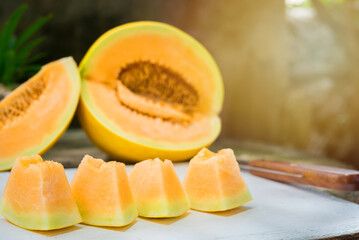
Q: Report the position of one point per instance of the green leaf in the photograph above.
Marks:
(25, 51)
(31, 68)
(8, 30)
(36, 57)
(10, 67)
(31, 30)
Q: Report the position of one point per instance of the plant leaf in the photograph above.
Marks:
(31, 30)
(7, 77)
(7, 32)
(36, 57)
(25, 51)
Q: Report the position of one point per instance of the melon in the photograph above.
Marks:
(37, 196)
(150, 90)
(213, 182)
(103, 193)
(157, 189)
(34, 115)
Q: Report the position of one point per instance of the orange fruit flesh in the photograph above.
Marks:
(213, 182)
(34, 115)
(157, 189)
(38, 196)
(102, 193)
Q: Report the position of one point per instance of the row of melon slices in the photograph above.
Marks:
(38, 195)
(143, 90)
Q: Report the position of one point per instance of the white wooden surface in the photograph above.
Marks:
(278, 211)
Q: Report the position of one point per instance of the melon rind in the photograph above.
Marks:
(114, 140)
(63, 122)
(35, 221)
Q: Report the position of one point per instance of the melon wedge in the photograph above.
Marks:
(103, 193)
(213, 182)
(157, 189)
(35, 115)
(37, 196)
(150, 90)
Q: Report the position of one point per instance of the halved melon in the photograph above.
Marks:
(157, 189)
(150, 90)
(103, 193)
(37, 196)
(213, 182)
(35, 115)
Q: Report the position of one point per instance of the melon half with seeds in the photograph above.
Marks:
(150, 90)
(37, 196)
(34, 116)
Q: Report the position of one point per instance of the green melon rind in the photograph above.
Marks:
(221, 204)
(143, 26)
(162, 208)
(120, 218)
(37, 221)
(64, 121)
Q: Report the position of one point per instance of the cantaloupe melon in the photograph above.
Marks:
(213, 182)
(103, 193)
(150, 90)
(157, 189)
(37, 196)
(34, 116)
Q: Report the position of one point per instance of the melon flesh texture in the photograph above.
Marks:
(35, 115)
(103, 193)
(151, 88)
(213, 182)
(157, 189)
(37, 196)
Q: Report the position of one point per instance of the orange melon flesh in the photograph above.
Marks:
(154, 126)
(157, 189)
(103, 193)
(37, 196)
(213, 182)
(35, 115)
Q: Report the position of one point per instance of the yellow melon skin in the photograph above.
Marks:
(103, 193)
(37, 196)
(101, 63)
(213, 182)
(157, 190)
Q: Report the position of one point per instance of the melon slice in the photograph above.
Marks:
(103, 193)
(213, 182)
(37, 196)
(150, 90)
(34, 116)
(157, 189)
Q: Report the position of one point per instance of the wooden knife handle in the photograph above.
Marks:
(314, 175)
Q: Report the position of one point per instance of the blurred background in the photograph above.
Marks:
(290, 68)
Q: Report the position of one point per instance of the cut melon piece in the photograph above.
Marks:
(150, 90)
(37, 196)
(35, 115)
(157, 189)
(213, 182)
(103, 193)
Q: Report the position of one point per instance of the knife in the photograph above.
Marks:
(314, 175)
